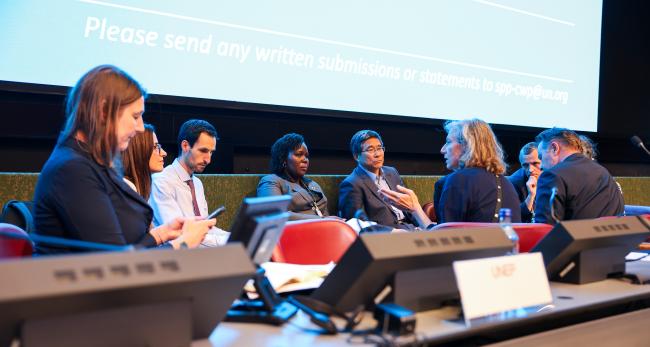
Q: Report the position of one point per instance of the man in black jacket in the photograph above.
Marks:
(572, 186)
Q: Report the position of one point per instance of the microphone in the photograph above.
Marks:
(320, 319)
(361, 215)
(636, 141)
(63, 242)
(552, 199)
(320, 313)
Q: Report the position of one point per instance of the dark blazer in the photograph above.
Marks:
(76, 198)
(518, 180)
(437, 192)
(470, 195)
(301, 206)
(584, 190)
(359, 191)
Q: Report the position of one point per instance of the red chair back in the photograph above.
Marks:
(315, 241)
(14, 242)
(529, 233)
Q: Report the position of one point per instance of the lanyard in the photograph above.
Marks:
(314, 205)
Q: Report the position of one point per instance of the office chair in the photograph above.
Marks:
(14, 242)
(316, 241)
(529, 233)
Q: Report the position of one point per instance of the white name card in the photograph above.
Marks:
(493, 285)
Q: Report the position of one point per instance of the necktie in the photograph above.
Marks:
(195, 204)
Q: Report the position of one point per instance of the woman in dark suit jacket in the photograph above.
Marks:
(80, 193)
(289, 164)
(477, 188)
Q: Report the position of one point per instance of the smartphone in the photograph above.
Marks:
(221, 209)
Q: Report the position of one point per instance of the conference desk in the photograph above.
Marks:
(600, 306)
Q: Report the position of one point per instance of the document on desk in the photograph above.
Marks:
(358, 224)
(637, 256)
(493, 285)
(286, 277)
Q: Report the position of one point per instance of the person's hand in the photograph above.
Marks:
(404, 198)
(169, 231)
(193, 232)
(531, 185)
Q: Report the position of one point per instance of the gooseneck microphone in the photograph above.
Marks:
(68, 243)
(361, 215)
(636, 141)
(551, 201)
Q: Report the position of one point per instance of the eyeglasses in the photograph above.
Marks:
(373, 150)
(157, 147)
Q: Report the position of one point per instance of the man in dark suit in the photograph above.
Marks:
(580, 187)
(525, 179)
(360, 190)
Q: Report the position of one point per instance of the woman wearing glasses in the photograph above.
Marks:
(143, 157)
(359, 192)
(289, 164)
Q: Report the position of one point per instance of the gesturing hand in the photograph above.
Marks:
(404, 198)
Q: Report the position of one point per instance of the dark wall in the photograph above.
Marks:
(624, 104)
(31, 121)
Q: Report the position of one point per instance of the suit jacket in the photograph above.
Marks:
(301, 206)
(470, 195)
(359, 191)
(76, 198)
(584, 190)
(518, 180)
(437, 192)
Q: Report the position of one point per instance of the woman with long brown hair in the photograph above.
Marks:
(80, 193)
(143, 157)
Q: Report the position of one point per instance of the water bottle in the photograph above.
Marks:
(505, 218)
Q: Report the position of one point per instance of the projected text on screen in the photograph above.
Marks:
(524, 63)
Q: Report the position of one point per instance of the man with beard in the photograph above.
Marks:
(176, 192)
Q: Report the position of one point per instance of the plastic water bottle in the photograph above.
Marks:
(505, 218)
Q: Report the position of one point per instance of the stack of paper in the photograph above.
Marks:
(286, 277)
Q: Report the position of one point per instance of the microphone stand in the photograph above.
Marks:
(63, 242)
(642, 146)
(637, 142)
(552, 200)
